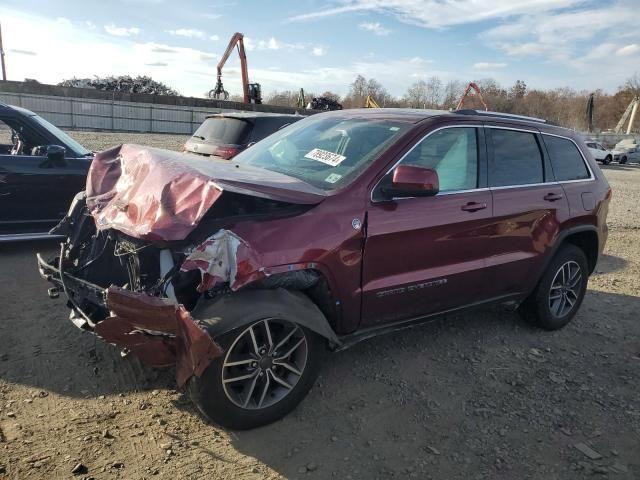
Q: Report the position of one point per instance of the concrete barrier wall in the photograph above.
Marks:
(89, 109)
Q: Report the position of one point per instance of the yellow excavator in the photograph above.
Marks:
(370, 102)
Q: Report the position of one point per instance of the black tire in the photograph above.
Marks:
(607, 160)
(208, 392)
(623, 160)
(537, 308)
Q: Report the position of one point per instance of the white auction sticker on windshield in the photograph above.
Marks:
(324, 156)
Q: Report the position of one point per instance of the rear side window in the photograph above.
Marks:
(516, 158)
(224, 130)
(566, 160)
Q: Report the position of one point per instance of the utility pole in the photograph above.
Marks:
(4, 69)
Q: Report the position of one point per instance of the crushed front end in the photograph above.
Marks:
(145, 243)
(129, 292)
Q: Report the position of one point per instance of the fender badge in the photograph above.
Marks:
(356, 224)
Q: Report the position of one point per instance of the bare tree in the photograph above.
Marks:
(434, 92)
(632, 85)
(416, 96)
(452, 92)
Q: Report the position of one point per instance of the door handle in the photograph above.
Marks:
(473, 206)
(552, 197)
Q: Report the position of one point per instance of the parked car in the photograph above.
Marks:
(627, 150)
(41, 170)
(226, 134)
(345, 225)
(600, 153)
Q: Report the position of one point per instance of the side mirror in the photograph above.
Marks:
(55, 156)
(412, 181)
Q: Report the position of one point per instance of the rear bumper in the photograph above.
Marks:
(158, 331)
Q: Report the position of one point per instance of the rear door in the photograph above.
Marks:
(528, 208)
(426, 255)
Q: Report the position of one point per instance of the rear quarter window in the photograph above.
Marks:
(566, 160)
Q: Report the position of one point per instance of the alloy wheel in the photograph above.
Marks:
(264, 363)
(565, 289)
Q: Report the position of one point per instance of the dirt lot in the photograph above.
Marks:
(480, 395)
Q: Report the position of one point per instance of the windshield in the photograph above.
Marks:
(326, 152)
(55, 131)
(223, 130)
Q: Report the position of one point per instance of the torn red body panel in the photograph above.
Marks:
(224, 257)
(137, 323)
(155, 194)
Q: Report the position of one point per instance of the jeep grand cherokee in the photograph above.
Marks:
(339, 227)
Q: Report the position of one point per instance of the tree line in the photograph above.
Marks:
(565, 106)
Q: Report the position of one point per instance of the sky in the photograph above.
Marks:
(322, 45)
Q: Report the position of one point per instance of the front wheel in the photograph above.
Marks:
(623, 160)
(560, 292)
(607, 160)
(267, 369)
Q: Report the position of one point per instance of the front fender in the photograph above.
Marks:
(230, 311)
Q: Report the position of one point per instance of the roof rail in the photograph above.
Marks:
(500, 114)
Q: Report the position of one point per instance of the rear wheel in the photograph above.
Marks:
(560, 292)
(623, 160)
(267, 369)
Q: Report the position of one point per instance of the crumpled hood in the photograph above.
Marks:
(155, 194)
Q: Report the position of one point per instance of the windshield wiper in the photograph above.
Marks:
(199, 136)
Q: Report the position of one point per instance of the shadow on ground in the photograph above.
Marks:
(481, 394)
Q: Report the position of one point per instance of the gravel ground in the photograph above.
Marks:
(475, 396)
(102, 140)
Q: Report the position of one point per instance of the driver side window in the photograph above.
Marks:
(453, 154)
(6, 144)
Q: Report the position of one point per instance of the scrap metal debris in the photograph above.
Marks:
(140, 322)
(123, 83)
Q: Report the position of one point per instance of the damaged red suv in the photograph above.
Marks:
(339, 227)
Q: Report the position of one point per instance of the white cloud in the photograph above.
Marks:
(374, 27)
(186, 70)
(438, 14)
(156, 48)
(488, 65)
(187, 32)
(318, 51)
(628, 50)
(64, 21)
(22, 52)
(215, 38)
(212, 16)
(271, 44)
(111, 29)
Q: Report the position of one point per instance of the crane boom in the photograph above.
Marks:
(466, 92)
(631, 110)
(250, 92)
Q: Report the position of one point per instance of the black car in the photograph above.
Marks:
(225, 135)
(41, 170)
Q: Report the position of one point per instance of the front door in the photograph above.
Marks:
(34, 192)
(426, 255)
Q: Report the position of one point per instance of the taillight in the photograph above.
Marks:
(226, 152)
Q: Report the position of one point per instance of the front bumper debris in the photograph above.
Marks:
(157, 330)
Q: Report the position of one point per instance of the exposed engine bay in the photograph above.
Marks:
(148, 240)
